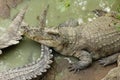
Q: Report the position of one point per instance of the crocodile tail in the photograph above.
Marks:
(31, 70)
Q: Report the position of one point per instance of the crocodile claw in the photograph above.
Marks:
(109, 60)
(104, 62)
(75, 67)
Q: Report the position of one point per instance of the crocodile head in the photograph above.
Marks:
(49, 37)
(58, 38)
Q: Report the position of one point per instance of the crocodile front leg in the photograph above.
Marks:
(85, 60)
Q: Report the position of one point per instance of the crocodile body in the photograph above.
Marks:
(87, 42)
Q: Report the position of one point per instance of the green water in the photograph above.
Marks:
(25, 52)
(59, 11)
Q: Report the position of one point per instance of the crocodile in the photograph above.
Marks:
(95, 40)
(29, 71)
(12, 34)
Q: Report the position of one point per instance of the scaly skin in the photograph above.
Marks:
(12, 35)
(31, 70)
(87, 42)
